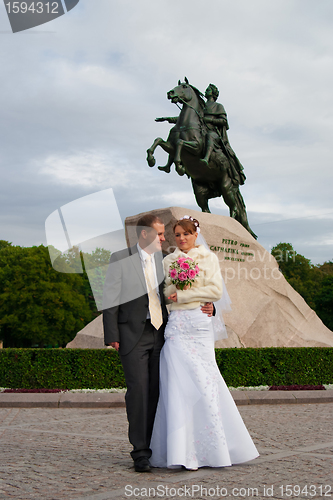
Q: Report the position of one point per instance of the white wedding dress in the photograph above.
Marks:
(197, 422)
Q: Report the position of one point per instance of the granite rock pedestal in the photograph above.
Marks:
(266, 310)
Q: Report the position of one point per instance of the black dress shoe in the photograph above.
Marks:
(141, 464)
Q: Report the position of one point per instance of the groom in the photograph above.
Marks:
(134, 319)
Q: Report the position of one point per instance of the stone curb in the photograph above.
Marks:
(281, 397)
(117, 400)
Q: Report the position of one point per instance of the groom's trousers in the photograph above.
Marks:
(141, 368)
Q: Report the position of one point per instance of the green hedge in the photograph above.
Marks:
(101, 368)
(276, 366)
(60, 369)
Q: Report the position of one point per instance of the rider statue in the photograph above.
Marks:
(216, 122)
(198, 145)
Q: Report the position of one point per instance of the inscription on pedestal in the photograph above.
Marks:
(234, 247)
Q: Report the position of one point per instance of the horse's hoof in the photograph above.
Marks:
(180, 170)
(165, 169)
(150, 160)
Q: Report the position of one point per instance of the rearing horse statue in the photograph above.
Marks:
(186, 148)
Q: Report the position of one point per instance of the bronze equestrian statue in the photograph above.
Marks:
(198, 145)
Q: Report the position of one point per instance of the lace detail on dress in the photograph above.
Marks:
(197, 422)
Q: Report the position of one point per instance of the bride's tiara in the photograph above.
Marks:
(195, 222)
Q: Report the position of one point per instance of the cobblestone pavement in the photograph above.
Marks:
(82, 454)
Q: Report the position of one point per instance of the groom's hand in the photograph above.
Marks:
(115, 345)
(208, 308)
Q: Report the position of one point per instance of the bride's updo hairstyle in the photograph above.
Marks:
(188, 224)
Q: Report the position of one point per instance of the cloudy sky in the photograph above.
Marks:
(80, 94)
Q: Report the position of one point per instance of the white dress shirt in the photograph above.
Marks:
(143, 257)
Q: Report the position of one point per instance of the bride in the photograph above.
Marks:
(197, 422)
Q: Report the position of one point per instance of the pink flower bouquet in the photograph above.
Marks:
(183, 272)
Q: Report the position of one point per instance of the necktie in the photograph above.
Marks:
(154, 303)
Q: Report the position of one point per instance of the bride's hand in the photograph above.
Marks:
(185, 287)
(173, 297)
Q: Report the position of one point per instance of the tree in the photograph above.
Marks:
(326, 268)
(291, 263)
(39, 305)
(297, 270)
(324, 301)
(95, 264)
(313, 283)
(4, 244)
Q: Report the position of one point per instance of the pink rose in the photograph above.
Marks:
(179, 261)
(182, 276)
(197, 270)
(184, 265)
(173, 273)
(192, 274)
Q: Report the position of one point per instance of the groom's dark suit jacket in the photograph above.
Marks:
(125, 298)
